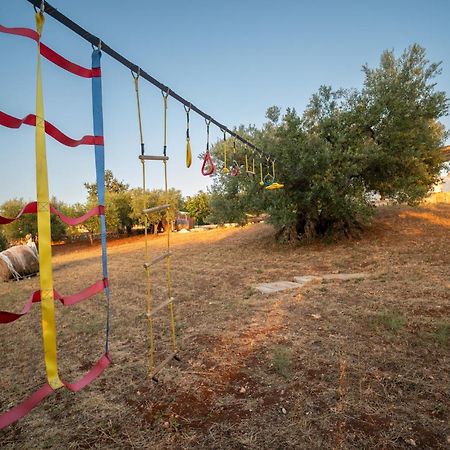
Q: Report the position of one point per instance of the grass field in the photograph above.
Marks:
(361, 364)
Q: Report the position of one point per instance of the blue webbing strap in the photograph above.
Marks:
(97, 114)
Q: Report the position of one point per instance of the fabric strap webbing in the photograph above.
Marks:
(97, 116)
(22, 409)
(67, 300)
(51, 55)
(13, 122)
(44, 233)
(47, 293)
(31, 208)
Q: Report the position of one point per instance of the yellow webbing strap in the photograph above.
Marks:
(144, 190)
(166, 190)
(44, 231)
(188, 139)
(225, 165)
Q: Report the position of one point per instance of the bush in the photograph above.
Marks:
(3, 241)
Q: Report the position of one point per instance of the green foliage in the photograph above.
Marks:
(442, 333)
(142, 200)
(3, 241)
(121, 203)
(27, 224)
(399, 107)
(392, 321)
(198, 207)
(118, 208)
(346, 148)
(18, 229)
(281, 361)
(112, 184)
(111, 216)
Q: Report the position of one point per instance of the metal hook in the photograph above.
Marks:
(165, 94)
(99, 45)
(138, 73)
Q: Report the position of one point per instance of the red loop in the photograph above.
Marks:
(207, 160)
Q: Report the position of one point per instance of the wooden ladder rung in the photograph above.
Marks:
(161, 365)
(153, 158)
(155, 209)
(157, 259)
(161, 306)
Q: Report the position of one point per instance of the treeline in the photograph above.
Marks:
(123, 208)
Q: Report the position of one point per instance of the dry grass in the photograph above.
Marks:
(361, 364)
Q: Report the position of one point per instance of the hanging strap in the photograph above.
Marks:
(235, 169)
(138, 103)
(44, 243)
(261, 180)
(97, 114)
(208, 165)
(188, 139)
(225, 166)
(166, 190)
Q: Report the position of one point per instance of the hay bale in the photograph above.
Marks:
(18, 262)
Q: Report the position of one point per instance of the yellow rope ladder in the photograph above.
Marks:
(147, 265)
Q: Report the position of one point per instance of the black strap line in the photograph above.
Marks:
(96, 41)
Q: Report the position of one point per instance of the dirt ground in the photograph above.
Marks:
(360, 364)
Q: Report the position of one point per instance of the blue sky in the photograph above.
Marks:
(232, 59)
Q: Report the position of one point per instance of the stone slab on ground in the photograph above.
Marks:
(345, 276)
(331, 276)
(304, 279)
(300, 281)
(277, 286)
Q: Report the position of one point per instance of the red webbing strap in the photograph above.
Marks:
(31, 208)
(51, 55)
(12, 122)
(95, 211)
(22, 409)
(68, 300)
(96, 371)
